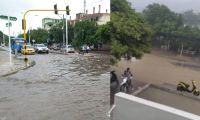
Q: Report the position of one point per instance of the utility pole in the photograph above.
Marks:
(29, 36)
(9, 40)
(84, 7)
(63, 29)
(67, 13)
(181, 50)
(66, 32)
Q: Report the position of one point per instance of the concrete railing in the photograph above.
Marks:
(129, 107)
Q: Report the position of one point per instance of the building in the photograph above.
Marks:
(100, 18)
(152, 102)
(47, 23)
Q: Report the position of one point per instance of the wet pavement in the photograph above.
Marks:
(58, 87)
(6, 67)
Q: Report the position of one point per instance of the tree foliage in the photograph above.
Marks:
(102, 34)
(84, 32)
(56, 34)
(191, 19)
(171, 28)
(39, 35)
(162, 19)
(130, 31)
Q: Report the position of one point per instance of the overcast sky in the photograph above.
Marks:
(175, 5)
(16, 8)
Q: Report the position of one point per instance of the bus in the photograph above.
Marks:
(17, 44)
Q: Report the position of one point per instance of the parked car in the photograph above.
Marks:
(68, 48)
(41, 48)
(29, 50)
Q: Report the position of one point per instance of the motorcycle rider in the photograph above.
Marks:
(128, 74)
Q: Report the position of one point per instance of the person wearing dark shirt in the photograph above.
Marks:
(114, 83)
(128, 74)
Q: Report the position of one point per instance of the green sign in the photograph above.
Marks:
(9, 24)
(13, 18)
(6, 18)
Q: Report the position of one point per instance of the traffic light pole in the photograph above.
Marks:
(24, 24)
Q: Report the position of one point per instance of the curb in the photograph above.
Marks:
(31, 64)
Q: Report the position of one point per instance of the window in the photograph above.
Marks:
(97, 18)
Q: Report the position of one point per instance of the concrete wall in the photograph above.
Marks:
(104, 19)
(128, 107)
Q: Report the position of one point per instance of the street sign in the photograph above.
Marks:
(6, 18)
(13, 18)
(8, 24)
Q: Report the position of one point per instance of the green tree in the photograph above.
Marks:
(56, 34)
(70, 33)
(102, 34)
(39, 35)
(130, 32)
(164, 22)
(1, 36)
(84, 32)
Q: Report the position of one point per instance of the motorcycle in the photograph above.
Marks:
(185, 87)
(125, 85)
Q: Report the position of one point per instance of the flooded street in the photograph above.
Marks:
(161, 67)
(58, 87)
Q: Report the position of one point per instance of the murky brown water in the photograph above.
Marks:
(58, 87)
(162, 67)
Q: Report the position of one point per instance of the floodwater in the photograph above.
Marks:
(163, 67)
(58, 87)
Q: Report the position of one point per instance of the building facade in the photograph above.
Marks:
(100, 18)
(47, 23)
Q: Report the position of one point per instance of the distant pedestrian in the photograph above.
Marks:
(87, 49)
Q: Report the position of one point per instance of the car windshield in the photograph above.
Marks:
(20, 43)
(28, 46)
(41, 45)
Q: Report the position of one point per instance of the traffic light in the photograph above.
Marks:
(23, 24)
(67, 10)
(55, 9)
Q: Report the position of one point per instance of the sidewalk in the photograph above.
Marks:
(6, 68)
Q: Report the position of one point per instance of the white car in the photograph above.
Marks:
(68, 48)
(41, 48)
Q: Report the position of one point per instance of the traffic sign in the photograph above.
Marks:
(13, 18)
(10, 24)
(6, 18)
